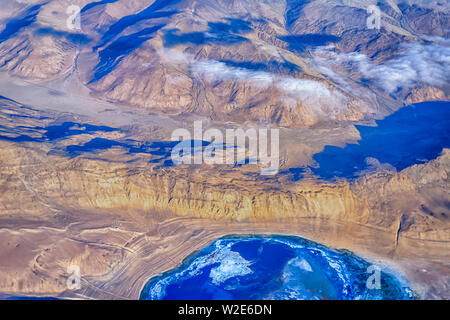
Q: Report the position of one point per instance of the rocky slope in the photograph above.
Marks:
(230, 60)
(426, 94)
(412, 202)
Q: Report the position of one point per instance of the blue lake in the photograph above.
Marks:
(55, 132)
(26, 298)
(412, 135)
(272, 267)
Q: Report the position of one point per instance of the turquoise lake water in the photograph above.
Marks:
(272, 267)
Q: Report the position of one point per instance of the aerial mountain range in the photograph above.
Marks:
(289, 63)
(90, 92)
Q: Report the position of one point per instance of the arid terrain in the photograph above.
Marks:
(86, 118)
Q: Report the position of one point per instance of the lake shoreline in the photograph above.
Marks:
(164, 250)
(273, 259)
(333, 235)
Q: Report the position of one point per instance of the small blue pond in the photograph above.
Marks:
(272, 267)
(412, 135)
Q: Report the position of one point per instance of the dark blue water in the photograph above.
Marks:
(26, 298)
(24, 19)
(222, 33)
(271, 267)
(49, 134)
(412, 135)
(65, 130)
(156, 148)
(91, 5)
(76, 38)
(54, 132)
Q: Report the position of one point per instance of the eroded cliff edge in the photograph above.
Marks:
(50, 196)
(413, 202)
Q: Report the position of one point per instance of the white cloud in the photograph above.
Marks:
(273, 51)
(437, 39)
(415, 64)
(175, 56)
(313, 93)
(307, 88)
(213, 70)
